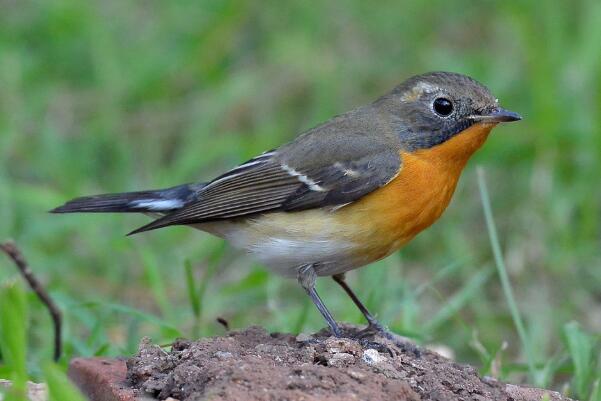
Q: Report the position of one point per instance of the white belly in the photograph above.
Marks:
(283, 245)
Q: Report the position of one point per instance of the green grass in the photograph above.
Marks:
(123, 95)
(13, 342)
(535, 377)
(14, 324)
(59, 387)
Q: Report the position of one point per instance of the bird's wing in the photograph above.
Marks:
(296, 177)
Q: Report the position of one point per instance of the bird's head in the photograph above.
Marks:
(432, 108)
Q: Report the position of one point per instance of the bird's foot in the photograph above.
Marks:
(365, 337)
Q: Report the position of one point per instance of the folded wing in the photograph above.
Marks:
(283, 181)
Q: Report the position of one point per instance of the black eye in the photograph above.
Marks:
(443, 106)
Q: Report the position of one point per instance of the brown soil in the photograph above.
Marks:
(254, 365)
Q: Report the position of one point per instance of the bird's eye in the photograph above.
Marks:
(442, 106)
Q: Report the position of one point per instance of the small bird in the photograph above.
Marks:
(341, 195)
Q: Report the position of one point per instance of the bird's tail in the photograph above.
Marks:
(152, 201)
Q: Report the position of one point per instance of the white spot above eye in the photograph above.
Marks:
(425, 87)
(157, 204)
(418, 90)
(313, 186)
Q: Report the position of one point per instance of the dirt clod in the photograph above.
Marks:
(253, 365)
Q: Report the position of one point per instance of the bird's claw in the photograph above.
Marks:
(375, 328)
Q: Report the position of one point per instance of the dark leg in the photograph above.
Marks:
(306, 278)
(373, 322)
(374, 326)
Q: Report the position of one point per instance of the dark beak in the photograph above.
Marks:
(497, 115)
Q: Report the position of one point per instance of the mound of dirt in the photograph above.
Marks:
(253, 365)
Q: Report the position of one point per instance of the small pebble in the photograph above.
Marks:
(356, 375)
(222, 355)
(372, 357)
(337, 345)
(443, 350)
(340, 358)
(303, 338)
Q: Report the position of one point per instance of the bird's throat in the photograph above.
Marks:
(456, 151)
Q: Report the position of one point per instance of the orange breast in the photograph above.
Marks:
(392, 215)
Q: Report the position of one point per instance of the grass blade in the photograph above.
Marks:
(13, 335)
(194, 297)
(59, 387)
(155, 281)
(192, 292)
(457, 301)
(580, 347)
(504, 277)
(169, 330)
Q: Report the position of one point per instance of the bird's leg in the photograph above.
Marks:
(306, 277)
(373, 322)
(373, 325)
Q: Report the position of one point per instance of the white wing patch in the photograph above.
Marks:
(263, 158)
(157, 204)
(239, 170)
(225, 178)
(313, 186)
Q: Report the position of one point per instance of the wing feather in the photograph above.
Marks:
(271, 182)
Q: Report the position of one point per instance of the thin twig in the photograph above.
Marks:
(10, 248)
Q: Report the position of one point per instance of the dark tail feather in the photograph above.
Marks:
(161, 200)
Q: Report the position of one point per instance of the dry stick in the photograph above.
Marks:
(17, 257)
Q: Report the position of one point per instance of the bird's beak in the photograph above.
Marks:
(497, 115)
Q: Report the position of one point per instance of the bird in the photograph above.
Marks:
(346, 193)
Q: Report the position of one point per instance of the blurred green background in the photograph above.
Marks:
(117, 95)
